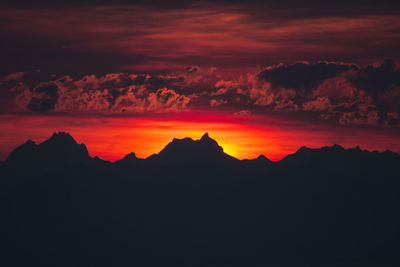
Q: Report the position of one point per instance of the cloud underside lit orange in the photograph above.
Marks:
(111, 138)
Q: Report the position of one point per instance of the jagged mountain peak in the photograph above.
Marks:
(61, 137)
(59, 147)
(29, 142)
(62, 143)
(130, 156)
(181, 140)
(62, 146)
(187, 149)
(263, 158)
(334, 147)
(205, 137)
(127, 159)
(23, 152)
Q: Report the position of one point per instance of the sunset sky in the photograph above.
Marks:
(258, 76)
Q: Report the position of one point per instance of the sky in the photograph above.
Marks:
(261, 77)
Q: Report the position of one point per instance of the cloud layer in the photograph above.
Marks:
(332, 91)
(345, 93)
(150, 38)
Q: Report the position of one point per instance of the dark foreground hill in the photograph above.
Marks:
(194, 205)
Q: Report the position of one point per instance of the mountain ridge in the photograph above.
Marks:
(327, 205)
(64, 143)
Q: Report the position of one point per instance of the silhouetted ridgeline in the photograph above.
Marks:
(193, 205)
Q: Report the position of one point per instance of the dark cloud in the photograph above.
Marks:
(114, 93)
(346, 93)
(333, 91)
(44, 98)
(301, 76)
(378, 79)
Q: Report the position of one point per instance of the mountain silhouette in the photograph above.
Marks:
(336, 157)
(259, 162)
(193, 205)
(60, 146)
(24, 152)
(64, 145)
(129, 160)
(189, 151)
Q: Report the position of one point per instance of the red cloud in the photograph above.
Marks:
(12, 77)
(112, 93)
(345, 93)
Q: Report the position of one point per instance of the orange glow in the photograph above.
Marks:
(242, 137)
